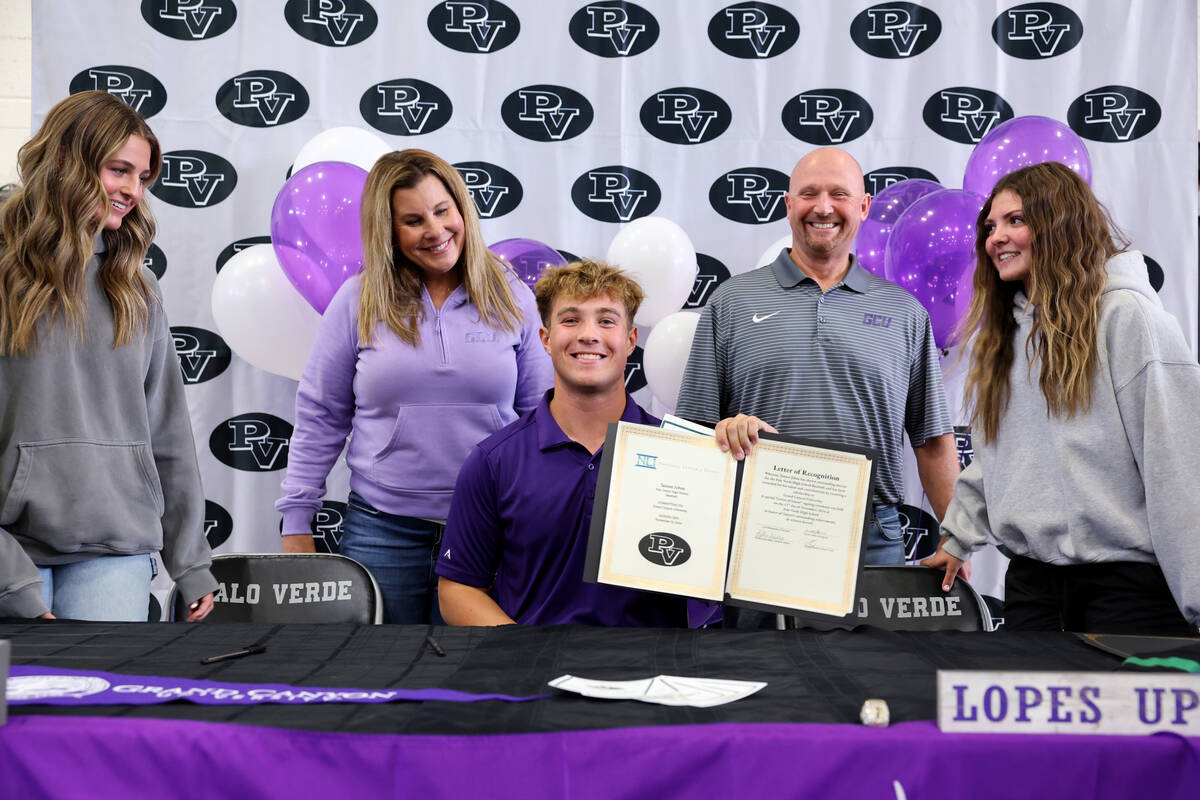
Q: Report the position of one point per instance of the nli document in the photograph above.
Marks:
(781, 531)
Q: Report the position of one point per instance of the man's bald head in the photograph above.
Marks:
(826, 202)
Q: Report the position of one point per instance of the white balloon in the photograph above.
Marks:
(349, 144)
(772, 252)
(665, 354)
(659, 255)
(260, 315)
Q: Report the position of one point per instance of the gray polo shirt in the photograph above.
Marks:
(856, 365)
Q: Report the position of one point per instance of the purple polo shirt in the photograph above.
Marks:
(519, 524)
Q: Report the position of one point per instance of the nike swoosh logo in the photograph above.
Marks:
(756, 318)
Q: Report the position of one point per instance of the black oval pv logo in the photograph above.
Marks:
(827, 116)
(546, 113)
(218, 525)
(262, 98)
(710, 273)
(190, 21)
(474, 27)
(155, 260)
(613, 29)
(920, 531)
(1155, 272)
(685, 115)
(664, 549)
(753, 195)
(615, 193)
(333, 23)
(327, 526)
(495, 190)
(254, 442)
(194, 179)
(879, 179)
(635, 373)
(140, 90)
(1114, 114)
(895, 30)
(964, 113)
(753, 30)
(203, 355)
(405, 107)
(233, 248)
(1037, 30)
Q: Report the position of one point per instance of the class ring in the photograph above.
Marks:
(875, 713)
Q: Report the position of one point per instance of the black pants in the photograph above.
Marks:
(1114, 597)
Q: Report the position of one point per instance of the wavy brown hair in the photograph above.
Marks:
(48, 226)
(583, 280)
(391, 284)
(1072, 236)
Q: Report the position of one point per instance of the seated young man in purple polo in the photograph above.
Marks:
(516, 537)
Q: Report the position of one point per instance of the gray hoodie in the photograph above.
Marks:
(96, 455)
(1117, 483)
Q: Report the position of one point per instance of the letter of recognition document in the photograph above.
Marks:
(781, 531)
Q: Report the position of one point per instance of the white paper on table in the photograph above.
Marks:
(667, 690)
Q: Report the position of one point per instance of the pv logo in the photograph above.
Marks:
(155, 261)
(753, 195)
(406, 107)
(140, 90)
(218, 525)
(473, 27)
(262, 99)
(333, 23)
(753, 30)
(1037, 30)
(546, 113)
(495, 190)
(203, 355)
(327, 526)
(895, 30)
(194, 179)
(1155, 272)
(614, 29)
(879, 179)
(236, 247)
(1114, 114)
(615, 194)
(710, 273)
(253, 442)
(827, 116)
(635, 373)
(920, 529)
(664, 549)
(962, 443)
(685, 115)
(189, 19)
(965, 114)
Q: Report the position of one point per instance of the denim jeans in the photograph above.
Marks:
(101, 589)
(885, 538)
(400, 552)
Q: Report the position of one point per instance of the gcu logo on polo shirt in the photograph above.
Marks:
(333, 23)
(752, 195)
(262, 99)
(203, 355)
(614, 29)
(895, 30)
(236, 247)
(546, 113)
(753, 30)
(879, 179)
(405, 106)
(189, 19)
(615, 194)
(710, 273)
(254, 442)
(140, 90)
(194, 179)
(1037, 30)
(473, 27)
(965, 114)
(664, 549)
(685, 115)
(155, 261)
(495, 190)
(218, 525)
(877, 321)
(1114, 114)
(827, 116)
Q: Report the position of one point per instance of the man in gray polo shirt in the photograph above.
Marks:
(813, 345)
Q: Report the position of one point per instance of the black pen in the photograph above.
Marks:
(245, 651)
(435, 647)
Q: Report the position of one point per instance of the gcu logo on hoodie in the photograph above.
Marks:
(333, 23)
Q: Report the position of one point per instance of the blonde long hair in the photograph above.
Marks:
(48, 226)
(391, 284)
(1072, 237)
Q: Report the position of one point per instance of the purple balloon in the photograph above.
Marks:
(528, 257)
(1020, 142)
(886, 208)
(931, 245)
(316, 229)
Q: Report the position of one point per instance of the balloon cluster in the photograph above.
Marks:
(922, 236)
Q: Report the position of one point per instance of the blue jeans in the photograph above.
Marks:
(400, 552)
(101, 589)
(885, 538)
